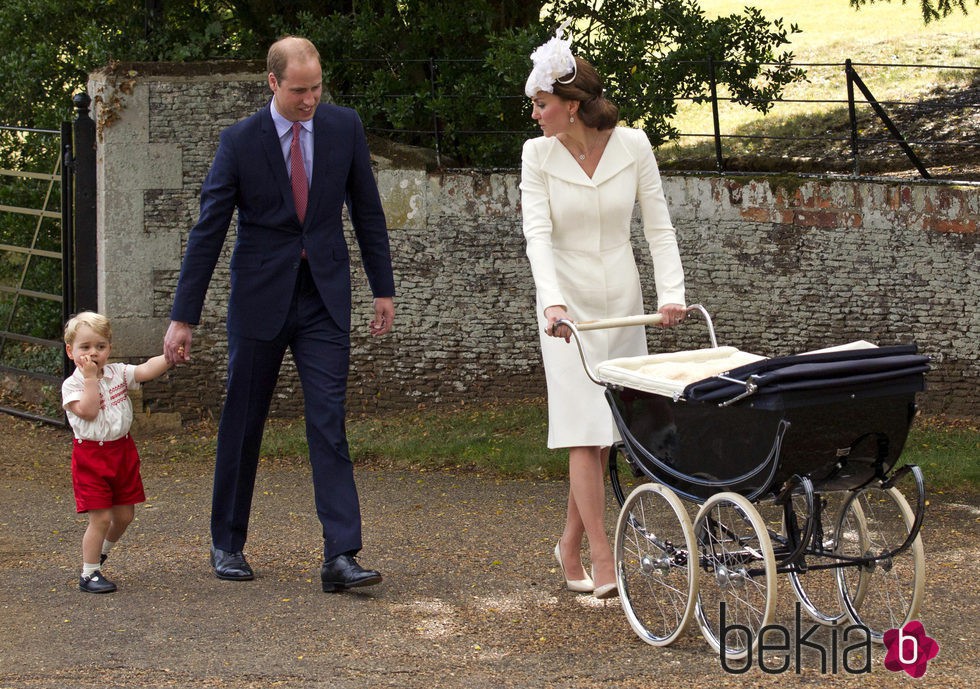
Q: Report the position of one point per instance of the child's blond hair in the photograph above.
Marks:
(96, 321)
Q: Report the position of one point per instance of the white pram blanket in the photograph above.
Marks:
(669, 373)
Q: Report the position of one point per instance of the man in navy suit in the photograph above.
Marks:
(289, 170)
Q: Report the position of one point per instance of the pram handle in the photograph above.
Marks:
(626, 321)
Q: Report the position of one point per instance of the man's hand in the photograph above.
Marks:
(384, 315)
(177, 343)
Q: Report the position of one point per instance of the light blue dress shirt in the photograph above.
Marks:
(284, 128)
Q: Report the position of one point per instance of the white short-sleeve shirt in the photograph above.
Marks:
(115, 408)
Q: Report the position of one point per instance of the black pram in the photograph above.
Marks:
(815, 438)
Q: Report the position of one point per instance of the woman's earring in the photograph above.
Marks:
(571, 120)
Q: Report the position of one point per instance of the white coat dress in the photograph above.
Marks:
(578, 243)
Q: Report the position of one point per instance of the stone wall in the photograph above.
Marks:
(784, 264)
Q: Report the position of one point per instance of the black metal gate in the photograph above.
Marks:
(47, 228)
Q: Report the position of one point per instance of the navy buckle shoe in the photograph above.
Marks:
(95, 583)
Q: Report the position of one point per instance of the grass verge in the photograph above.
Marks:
(508, 439)
(948, 453)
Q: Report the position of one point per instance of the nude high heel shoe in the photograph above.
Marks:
(577, 585)
(605, 591)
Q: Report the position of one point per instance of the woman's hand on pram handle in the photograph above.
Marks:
(555, 328)
(672, 314)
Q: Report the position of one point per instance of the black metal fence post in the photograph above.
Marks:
(716, 121)
(856, 80)
(852, 116)
(67, 234)
(435, 114)
(85, 268)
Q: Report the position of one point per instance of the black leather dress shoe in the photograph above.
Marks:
(230, 566)
(343, 572)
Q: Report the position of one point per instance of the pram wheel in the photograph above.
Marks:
(885, 592)
(737, 581)
(656, 563)
(815, 587)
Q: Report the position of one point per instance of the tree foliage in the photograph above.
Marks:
(932, 10)
(654, 52)
(416, 66)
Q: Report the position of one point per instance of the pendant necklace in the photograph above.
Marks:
(583, 156)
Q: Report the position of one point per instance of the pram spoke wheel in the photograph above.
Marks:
(816, 585)
(656, 563)
(737, 578)
(884, 592)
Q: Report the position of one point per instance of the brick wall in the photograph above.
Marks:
(784, 264)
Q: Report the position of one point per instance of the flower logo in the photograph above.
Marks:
(909, 649)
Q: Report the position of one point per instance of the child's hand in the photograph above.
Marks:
(88, 367)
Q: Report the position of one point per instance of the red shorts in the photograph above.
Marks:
(106, 473)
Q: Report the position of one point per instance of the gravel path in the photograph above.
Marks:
(472, 596)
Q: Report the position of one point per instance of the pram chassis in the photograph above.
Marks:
(828, 467)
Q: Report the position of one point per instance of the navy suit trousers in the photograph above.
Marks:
(321, 350)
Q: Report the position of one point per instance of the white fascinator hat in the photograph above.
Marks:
(551, 60)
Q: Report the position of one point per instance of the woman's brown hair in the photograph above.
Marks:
(595, 110)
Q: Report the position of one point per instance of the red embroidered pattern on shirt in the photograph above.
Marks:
(118, 394)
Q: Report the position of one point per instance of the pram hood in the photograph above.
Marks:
(851, 370)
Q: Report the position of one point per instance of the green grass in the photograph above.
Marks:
(509, 440)
(949, 456)
(830, 25)
(884, 33)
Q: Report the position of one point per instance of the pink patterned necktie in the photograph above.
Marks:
(297, 171)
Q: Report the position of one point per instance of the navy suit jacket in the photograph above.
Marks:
(249, 173)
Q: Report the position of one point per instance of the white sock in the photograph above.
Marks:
(89, 569)
(107, 546)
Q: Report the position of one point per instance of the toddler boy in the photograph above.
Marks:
(105, 465)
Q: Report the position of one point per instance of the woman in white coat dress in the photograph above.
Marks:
(579, 185)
